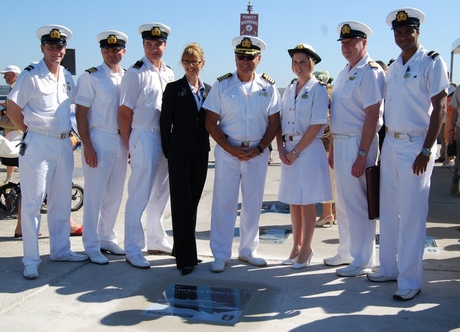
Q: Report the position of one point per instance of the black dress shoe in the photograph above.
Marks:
(198, 261)
(186, 270)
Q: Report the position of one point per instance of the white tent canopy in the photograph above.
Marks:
(455, 50)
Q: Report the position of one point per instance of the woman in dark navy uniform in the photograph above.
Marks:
(185, 144)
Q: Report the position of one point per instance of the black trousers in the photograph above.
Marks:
(187, 175)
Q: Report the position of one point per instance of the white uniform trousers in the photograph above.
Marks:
(46, 167)
(103, 189)
(229, 174)
(146, 153)
(156, 206)
(403, 211)
(356, 231)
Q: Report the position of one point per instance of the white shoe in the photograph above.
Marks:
(31, 271)
(405, 294)
(253, 260)
(377, 277)
(165, 248)
(218, 265)
(72, 257)
(289, 261)
(297, 265)
(112, 248)
(138, 261)
(97, 258)
(336, 261)
(353, 271)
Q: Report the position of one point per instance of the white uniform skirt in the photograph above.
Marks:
(307, 180)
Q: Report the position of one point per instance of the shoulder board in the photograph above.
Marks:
(124, 70)
(433, 54)
(91, 70)
(29, 68)
(224, 77)
(373, 64)
(294, 80)
(138, 64)
(391, 61)
(169, 67)
(268, 78)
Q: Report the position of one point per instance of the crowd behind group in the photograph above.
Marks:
(161, 127)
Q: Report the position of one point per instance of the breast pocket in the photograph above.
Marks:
(48, 99)
(230, 104)
(411, 83)
(349, 87)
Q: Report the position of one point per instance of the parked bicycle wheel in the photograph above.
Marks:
(77, 197)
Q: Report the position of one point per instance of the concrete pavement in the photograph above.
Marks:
(89, 297)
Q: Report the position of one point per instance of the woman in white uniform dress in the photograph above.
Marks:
(304, 169)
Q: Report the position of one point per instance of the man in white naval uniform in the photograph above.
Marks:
(139, 115)
(243, 118)
(415, 103)
(104, 156)
(356, 118)
(39, 105)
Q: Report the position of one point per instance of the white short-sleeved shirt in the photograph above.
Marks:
(455, 103)
(308, 108)
(100, 91)
(142, 91)
(243, 111)
(45, 101)
(409, 89)
(354, 90)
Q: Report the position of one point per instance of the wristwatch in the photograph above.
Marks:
(426, 152)
(362, 153)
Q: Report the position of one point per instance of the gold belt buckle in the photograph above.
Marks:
(396, 135)
(291, 138)
(63, 136)
(245, 144)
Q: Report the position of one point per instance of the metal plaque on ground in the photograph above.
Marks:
(201, 303)
(270, 235)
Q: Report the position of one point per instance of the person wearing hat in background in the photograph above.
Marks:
(356, 118)
(10, 131)
(139, 120)
(39, 105)
(415, 102)
(304, 171)
(243, 118)
(104, 156)
(328, 215)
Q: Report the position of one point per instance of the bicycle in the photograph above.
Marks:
(10, 194)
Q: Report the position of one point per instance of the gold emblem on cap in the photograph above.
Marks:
(246, 42)
(55, 34)
(156, 31)
(112, 39)
(345, 29)
(300, 46)
(401, 16)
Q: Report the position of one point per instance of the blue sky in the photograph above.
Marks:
(214, 23)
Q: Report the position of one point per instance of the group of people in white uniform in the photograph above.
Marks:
(119, 112)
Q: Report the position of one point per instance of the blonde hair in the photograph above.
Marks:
(193, 50)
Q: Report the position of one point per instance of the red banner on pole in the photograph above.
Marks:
(249, 24)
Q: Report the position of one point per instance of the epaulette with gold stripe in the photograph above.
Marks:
(373, 64)
(224, 77)
(138, 64)
(29, 68)
(433, 54)
(91, 70)
(268, 78)
(294, 80)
